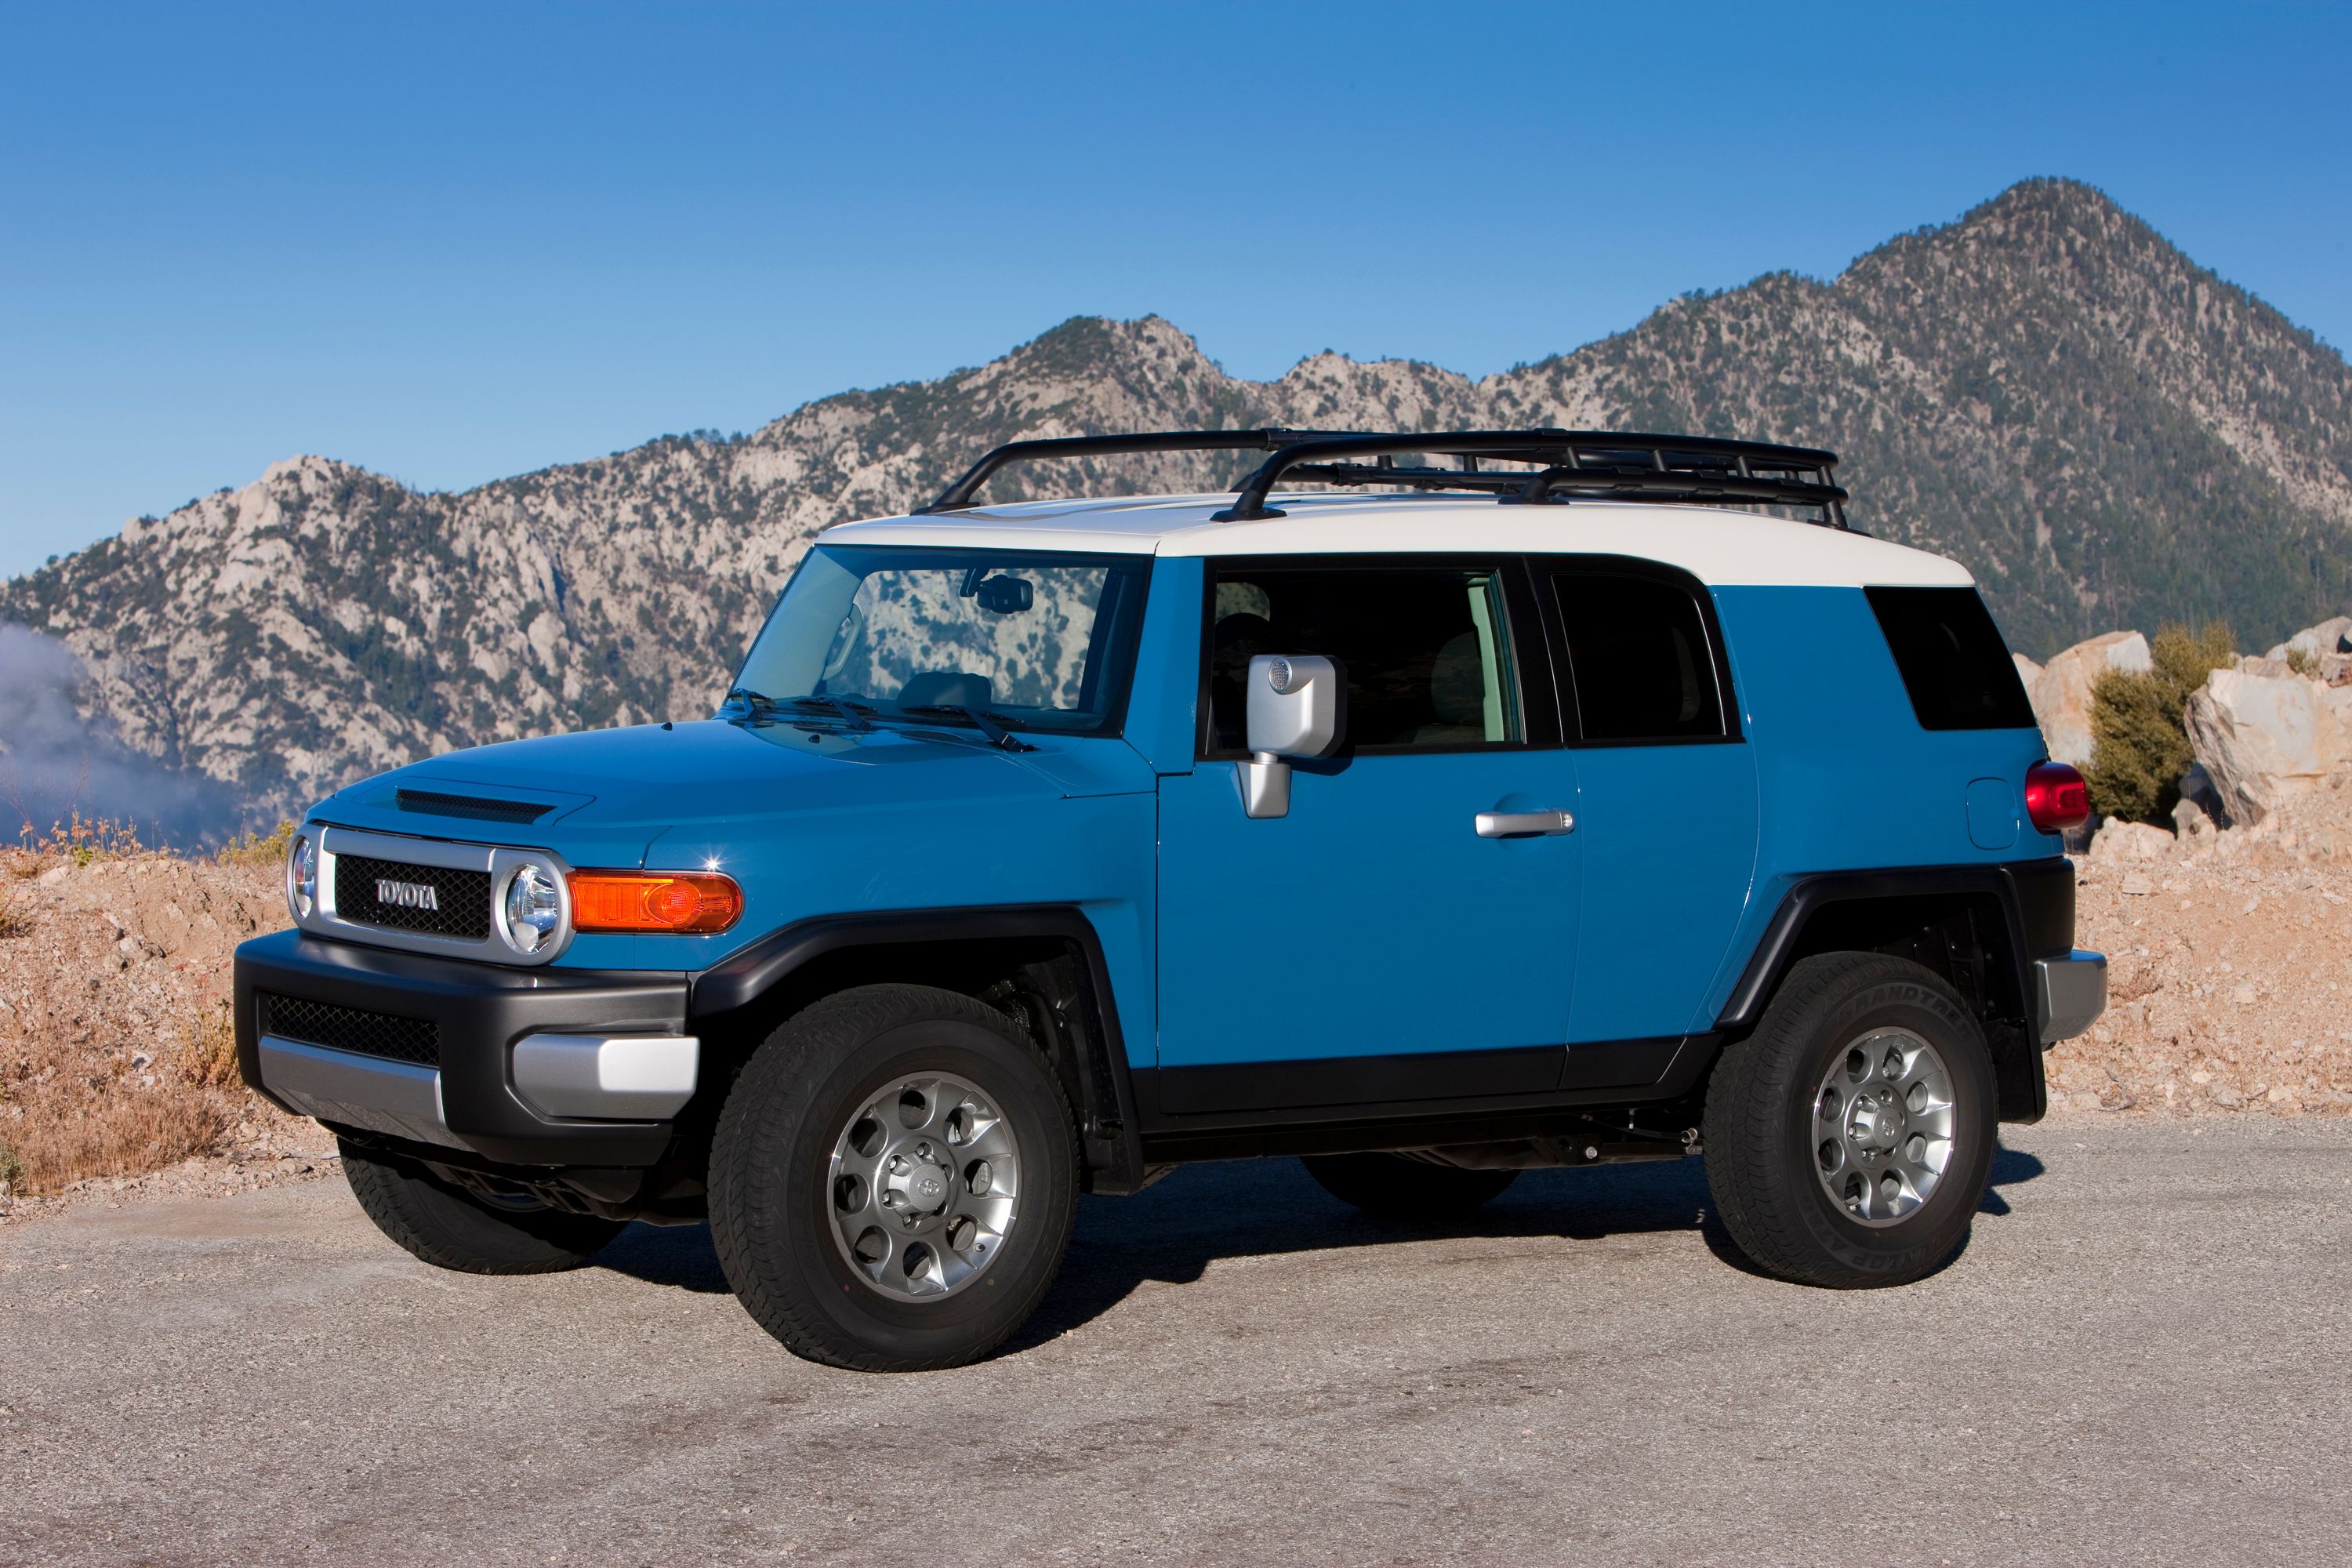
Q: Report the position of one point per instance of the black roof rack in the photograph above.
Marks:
(959, 494)
(1567, 465)
(1591, 464)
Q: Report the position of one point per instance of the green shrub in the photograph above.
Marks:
(2139, 731)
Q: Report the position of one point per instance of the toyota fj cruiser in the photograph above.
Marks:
(1576, 797)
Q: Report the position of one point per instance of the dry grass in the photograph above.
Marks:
(118, 1122)
(117, 1055)
(78, 841)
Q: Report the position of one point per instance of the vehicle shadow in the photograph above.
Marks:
(1171, 1232)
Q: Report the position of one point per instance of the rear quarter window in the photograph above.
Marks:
(1953, 661)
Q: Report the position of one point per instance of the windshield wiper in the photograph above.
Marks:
(744, 694)
(853, 714)
(986, 723)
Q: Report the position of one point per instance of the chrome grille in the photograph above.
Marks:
(460, 901)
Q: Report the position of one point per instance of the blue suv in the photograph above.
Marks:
(1431, 808)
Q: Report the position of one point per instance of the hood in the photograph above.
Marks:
(608, 793)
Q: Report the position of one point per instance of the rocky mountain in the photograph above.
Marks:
(2105, 433)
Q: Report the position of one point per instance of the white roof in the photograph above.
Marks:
(1719, 547)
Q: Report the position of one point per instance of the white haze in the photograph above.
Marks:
(54, 761)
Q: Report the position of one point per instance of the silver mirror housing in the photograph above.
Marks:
(1295, 705)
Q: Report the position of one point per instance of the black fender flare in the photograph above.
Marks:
(2036, 901)
(739, 981)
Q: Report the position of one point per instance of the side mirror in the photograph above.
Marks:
(1296, 703)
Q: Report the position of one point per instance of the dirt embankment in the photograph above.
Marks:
(2230, 985)
(117, 1061)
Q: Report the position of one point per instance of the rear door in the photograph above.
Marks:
(1668, 785)
(1370, 945)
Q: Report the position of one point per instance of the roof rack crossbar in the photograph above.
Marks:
(1563, 483)
(1592, 463)
(960, 494)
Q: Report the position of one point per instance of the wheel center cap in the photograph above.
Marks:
(1877, 1123)
(922, 1186)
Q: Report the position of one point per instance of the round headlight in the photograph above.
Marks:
(302, 876)
(534, 909)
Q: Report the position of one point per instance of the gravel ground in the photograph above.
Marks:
(2138, 1358)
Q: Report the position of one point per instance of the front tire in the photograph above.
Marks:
(1850, 1138)
(1394, 1187)
(893, 1180)
(450, 1228)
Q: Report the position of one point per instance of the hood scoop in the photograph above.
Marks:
(471, 807)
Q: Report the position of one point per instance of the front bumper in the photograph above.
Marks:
(523, 1066)
(2069, 994)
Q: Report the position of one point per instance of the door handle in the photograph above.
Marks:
(1524, 824)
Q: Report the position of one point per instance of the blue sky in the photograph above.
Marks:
(454, 243)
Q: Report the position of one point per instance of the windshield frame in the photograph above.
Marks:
(1112, 658)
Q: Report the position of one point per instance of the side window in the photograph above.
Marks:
(1425, 649)
(1954, 664)
(1638, 651)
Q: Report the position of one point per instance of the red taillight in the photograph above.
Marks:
(2056, 798)
(694, 902)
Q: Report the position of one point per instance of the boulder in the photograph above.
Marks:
(2117, 840)
(2263, 738)
(2197, 791)
(2027, 672)
(2328, 647)
(2061, 693)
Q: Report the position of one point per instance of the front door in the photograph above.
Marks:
(1371, 946)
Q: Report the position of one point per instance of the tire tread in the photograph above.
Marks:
(1747, 1097)
(786, 1071)
(420, 1215)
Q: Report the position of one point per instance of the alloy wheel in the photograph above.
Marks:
(924, 1186)
(1883, 1126)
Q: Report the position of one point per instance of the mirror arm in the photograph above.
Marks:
(1265, 785)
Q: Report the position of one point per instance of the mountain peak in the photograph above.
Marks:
(2104, 432)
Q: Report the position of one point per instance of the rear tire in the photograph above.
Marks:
(454, 1229)
(1850, 1138)
(1393, 1187)
(894, 1179)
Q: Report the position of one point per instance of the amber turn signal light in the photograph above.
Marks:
(2056, 798)
(693, 902)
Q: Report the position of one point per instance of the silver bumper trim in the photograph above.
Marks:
(607, 1077)
(2070, 993)
(396, 1098)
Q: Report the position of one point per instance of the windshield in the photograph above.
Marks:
(989, 639)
